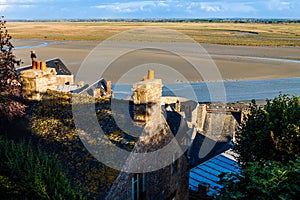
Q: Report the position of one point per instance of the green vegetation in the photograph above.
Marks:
(53, 126)
(226, 33)
(27, 173)
(271, 133)
(10, 88)
(56, 161)
(268, 144)
(270, 181)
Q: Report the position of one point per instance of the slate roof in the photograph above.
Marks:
(60, 67)
(209, 171)
(101, 83)
(203, 148)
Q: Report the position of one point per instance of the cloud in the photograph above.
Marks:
(7, 4)
(150, 8)
(26, 6)
(3, 8)
(279, 5)
(17, 1)
(134, 6)
(221, 6)
(209, 7)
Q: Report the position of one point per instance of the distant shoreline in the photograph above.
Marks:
(231, 20)
(273, 33)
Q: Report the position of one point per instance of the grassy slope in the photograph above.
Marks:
(214, 33)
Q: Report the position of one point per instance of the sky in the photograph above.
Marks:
(106, 9)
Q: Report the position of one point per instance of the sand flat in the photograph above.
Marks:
(233, 62)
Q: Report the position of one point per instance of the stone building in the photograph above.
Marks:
(35, 82)
(39, 77)
(169, 182)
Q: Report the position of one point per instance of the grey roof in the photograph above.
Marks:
(60, 67)
(101, 83)
(209, 171)
(67, 88)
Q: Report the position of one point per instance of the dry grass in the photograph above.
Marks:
(252, 34)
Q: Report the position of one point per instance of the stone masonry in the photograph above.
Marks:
(169, 182)
(35, 82)
(147, 97)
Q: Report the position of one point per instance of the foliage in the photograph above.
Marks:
(10, 87)
(268, 144)
(27, 173)
(271, 133)
(53, 125)
(272, 180)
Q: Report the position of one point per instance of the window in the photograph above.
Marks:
(138, 186)
(174, 164)
(135, 187)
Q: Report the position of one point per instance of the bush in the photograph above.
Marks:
(271, 132)
(273, 180)
(26, 173)
(269, 153)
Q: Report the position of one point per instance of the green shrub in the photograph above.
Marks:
(27, 173)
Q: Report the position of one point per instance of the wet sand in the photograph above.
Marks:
(233, 62)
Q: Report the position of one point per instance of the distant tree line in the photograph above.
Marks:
(217, 20)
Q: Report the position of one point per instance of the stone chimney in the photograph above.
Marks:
(147, 97)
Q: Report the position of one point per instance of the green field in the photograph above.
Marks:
(250, 34)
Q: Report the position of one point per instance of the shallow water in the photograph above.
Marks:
(34, 44)
(234, 91)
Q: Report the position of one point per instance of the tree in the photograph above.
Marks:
(268, 144)
(271, 132)
(273, 180)
(10, 87)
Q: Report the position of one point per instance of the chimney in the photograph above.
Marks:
(43, 66)
(108, 88)
(147, 99)
(34, 65)
(150, 74)
(38, 65)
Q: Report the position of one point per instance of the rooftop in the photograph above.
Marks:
(209, 171)
(60, 67)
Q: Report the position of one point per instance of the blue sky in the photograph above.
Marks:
(79, 9)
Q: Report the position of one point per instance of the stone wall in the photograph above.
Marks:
(166, 183)
(147, 96)
(149, 91)
(219, 126)
(218, 121)
(201, 116)
(65, 79)
(36, 82)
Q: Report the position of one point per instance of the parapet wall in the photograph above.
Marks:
(218, 121)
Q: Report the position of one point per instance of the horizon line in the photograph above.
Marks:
(242, 19)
